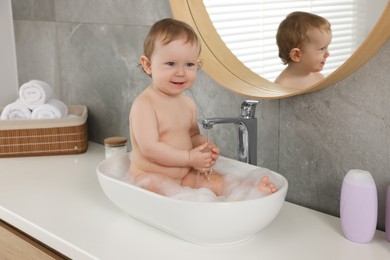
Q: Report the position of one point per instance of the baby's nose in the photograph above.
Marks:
(327, 54)
(179, 71)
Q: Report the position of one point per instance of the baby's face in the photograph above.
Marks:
(315, 52)
(174, 66)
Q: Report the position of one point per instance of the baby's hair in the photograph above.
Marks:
(293, 32)
(168, 30)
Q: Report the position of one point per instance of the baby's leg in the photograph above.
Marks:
(212, 181)
(157, 183)
(251, 187)
(235, 189)
(265, 186)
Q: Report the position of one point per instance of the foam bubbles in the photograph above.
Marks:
(200, 195)
(237, 187)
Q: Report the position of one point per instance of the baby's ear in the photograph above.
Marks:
(295, 55)
(146, 65)
(200, 64)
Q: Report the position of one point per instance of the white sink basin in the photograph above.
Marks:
(206, 223)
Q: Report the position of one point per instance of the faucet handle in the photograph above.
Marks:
(248, 108)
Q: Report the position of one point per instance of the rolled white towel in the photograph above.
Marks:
(16, 110)
(52, 109)
(35, 93)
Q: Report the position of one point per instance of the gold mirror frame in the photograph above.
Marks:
(221, 65)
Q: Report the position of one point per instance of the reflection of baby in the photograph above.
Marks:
(303, 40)
(167, 147)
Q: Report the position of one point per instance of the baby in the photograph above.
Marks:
(303, 40)
(167, 147)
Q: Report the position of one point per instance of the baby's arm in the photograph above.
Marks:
(198, 139)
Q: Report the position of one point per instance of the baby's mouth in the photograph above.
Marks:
(177, 83)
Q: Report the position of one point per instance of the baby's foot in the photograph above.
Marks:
(214, 182)
(265, 186)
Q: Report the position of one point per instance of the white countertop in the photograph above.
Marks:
(58, 200)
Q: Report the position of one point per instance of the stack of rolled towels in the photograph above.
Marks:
(35, 101)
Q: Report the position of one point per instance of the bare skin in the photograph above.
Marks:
(307, 62)
(265, 186)
(167, 147)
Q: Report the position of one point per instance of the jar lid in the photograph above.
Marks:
(115, 140)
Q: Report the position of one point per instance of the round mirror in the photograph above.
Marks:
(230, 72)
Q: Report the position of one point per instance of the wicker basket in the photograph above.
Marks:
(45, 136)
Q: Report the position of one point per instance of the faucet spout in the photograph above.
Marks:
(208, 123)
(246, 124)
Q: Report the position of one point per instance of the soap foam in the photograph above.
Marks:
(199, 195)
(236, 188)
(243, 187)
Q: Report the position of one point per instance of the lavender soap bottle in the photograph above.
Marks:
(358, 206)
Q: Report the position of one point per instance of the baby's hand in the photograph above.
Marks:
(200, 157)
(214, 152)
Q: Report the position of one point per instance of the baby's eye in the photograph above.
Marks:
(170, 63)
(191, 65)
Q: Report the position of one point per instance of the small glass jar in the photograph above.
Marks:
(115, 145)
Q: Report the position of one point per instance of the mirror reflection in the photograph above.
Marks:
(303, 40)
(249, 28)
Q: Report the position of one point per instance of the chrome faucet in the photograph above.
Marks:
(247, 130)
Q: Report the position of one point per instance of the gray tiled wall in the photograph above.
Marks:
(88, 51)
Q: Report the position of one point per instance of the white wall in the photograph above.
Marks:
(8, 71)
